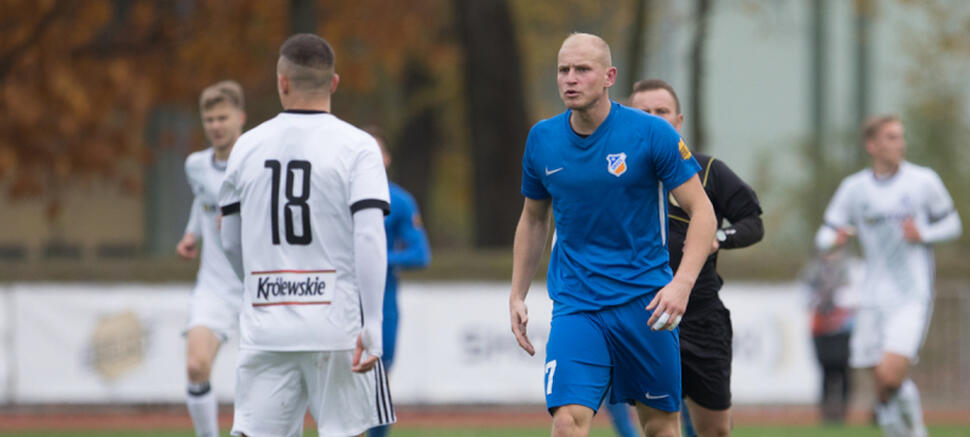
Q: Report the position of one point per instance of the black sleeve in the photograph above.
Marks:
(735, 200)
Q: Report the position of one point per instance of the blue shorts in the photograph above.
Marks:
(588, 351)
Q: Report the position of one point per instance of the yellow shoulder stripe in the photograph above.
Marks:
(707, 171)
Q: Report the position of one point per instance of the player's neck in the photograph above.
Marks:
(310, 103)
(585, 121)
(884, 169)
(221, 153)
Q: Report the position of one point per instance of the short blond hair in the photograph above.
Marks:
(226, 91)
(872, 125)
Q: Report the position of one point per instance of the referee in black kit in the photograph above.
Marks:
(705, 332)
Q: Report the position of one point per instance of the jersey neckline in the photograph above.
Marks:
(304, 111)
(587, 141)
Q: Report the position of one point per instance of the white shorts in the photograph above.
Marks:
(899, 329)
(218, 311)
(274, 390)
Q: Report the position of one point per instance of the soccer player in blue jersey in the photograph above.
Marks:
(407, 248)
(604, 171)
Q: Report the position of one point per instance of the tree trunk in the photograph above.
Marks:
(303, 16)
(496, 116)
(697, 135)
(636, 55)
(420, 137)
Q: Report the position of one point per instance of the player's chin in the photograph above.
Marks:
(573, 101)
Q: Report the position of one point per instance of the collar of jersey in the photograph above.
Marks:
(592, 138)
(304, 111)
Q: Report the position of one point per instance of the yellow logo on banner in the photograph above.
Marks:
(684, 151)
(117, 345)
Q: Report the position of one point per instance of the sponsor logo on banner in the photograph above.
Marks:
(294, 287)
(118, 345)
(616, 163)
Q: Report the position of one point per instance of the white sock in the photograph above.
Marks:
(907, 398)
(890, 420)
(204, 409)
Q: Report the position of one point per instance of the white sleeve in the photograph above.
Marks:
(370, 261)
(231, 236)
(368, 180)
(839, 212)
(194, 226)
(230, 231)
(943, 220)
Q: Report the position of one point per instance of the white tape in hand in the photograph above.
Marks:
(661, 321)
(675, 324)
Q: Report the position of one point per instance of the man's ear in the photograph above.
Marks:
(334, 82)
(283, 84)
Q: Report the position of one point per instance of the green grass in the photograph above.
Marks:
(746, 431)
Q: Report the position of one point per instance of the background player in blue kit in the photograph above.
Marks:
(407, 248)
(605, 170)
(705, 334)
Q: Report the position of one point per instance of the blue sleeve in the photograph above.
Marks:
(410, 248)
(673, 161)
(531, 184)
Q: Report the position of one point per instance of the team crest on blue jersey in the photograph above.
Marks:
(616, 163)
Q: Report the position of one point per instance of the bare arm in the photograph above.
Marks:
(672, 298)
(530, 239)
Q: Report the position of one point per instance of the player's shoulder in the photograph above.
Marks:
(919, 172)
(859, 178)
(647, 127)
(399, 193)
(252, 138)
(550, 126)
(198, 160)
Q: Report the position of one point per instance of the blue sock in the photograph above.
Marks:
(688, 426)
(620, 415)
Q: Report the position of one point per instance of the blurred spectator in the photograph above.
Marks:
(831, 280)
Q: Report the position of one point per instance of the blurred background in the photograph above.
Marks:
(98, 111)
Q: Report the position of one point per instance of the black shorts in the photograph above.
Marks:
(705, 354)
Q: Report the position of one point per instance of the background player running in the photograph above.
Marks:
(303, 205)
(705, 332)
(898, 210)
(218, 291)
(604, 170)
(407, 248)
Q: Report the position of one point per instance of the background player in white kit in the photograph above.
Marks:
(217, 294)
(303, 205)
(898, 210)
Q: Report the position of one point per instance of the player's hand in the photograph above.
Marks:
(668, 305)
(360, 364)
(186, 248)
(842, 236)
(519, 314)
(910, 232)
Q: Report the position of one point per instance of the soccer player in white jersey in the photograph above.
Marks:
(897, 210)
(217, 295)
(303, 205)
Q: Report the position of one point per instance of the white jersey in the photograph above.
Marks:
(204, 175)
(295, 181)
(896, 269)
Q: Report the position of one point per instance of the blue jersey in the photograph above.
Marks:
(407, 247)
(609, 200)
